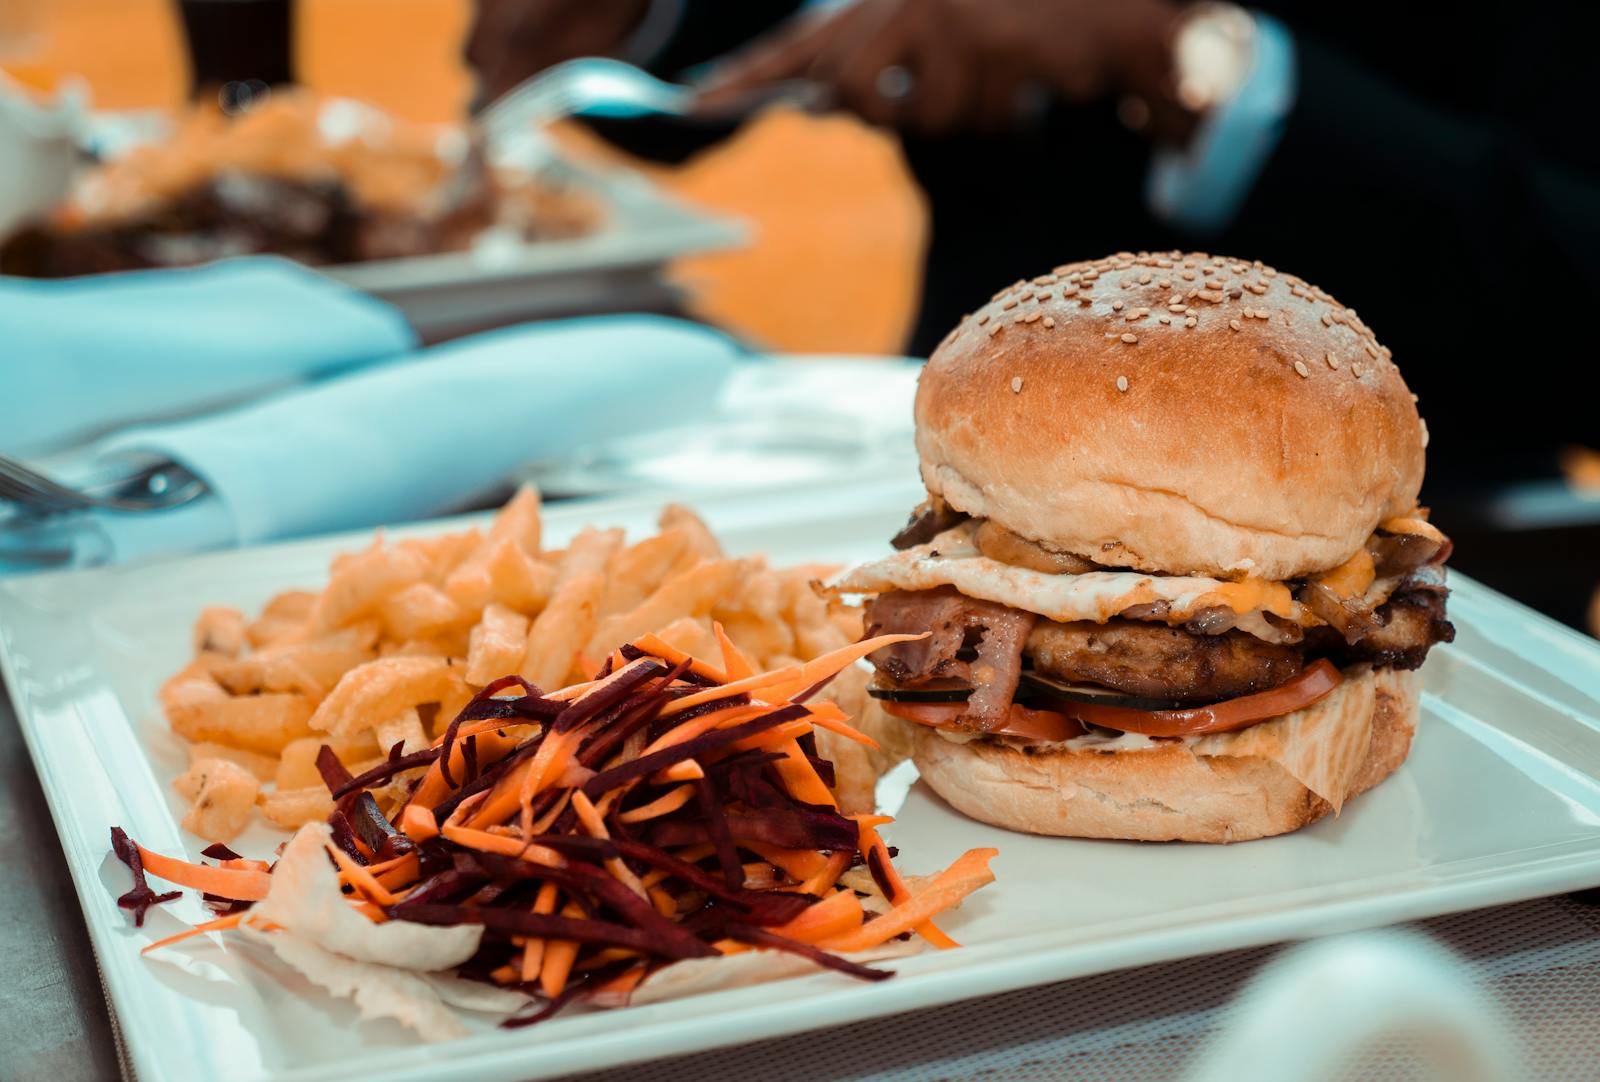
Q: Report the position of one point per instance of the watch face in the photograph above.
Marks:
(1211, 55)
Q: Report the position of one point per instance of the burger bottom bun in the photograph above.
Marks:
(1167, 793)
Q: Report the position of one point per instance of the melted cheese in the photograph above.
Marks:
(1413, 525)
(951, 559)
(1353, 577)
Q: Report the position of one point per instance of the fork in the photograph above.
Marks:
(600, 86)
(157, 486)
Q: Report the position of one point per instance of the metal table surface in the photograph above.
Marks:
(1541, 959)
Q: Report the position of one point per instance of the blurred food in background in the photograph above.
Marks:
(840, 226)
(317, 179)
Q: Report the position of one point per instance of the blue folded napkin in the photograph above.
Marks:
(82, 355)
(413, 438)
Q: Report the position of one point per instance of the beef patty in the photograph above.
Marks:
(1134, 656)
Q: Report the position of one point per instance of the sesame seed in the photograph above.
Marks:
(1190, 322)
(996, 329)
(1424, 426)
(1116, 306)
(1008, 304)
(1130, 338)
(1135, 316)
(1032, 316)
(983, 318)
(1177, 309)
(1372, 350)
(1122, 381)
(1027, 295)
(1019, 317)
(1300, 366)
(1269, 272)
(1188, 276)
(1333, 362)
(1165, 319)
(1016, 384)
(1249, 313)
(1327, 319)
(1046, 295)
(1356, 370)
(1235, 324)
(1144, 279)
(1049, 323)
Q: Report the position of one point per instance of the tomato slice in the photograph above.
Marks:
(1313, 683)
(1068, 717)
(1022, 722)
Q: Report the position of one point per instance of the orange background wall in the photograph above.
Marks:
(838, 226)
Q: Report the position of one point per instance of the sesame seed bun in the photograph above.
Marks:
(1261, 430)
(1167, 793)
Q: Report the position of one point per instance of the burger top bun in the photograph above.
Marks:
(1178, 413)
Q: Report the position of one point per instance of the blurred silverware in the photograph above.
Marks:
(599, 86)
(134, 486)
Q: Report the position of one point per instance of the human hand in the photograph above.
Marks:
(513, 39)
(938, 66)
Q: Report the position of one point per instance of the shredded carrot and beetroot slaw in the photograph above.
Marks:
(665, 810)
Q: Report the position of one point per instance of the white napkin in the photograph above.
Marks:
(414, 438)
(81, 355)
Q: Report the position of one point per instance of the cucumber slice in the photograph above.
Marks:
(920, 695)
(1044, 688)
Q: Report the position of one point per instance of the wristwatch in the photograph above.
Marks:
(1211, 55)
(1213, 46)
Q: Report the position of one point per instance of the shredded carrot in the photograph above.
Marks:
(659, 647)
(418, 823)
(969, 872)
(836, 915)
(549, 817)
(791, 679)
(688, 770)
(800, 777)
(625, 981)
(507, 847)
(799, 864)
(240, 885)
(827, 876)
(734, 663)
(717, 719)
(221, 924)
(778, 734)
(837, 721)
(898, 893)
(404, 871)
(661, 805)
(595, 826)
(559, 954)
(359, 877)
(665, 903)
(371, 912)
(533, 948)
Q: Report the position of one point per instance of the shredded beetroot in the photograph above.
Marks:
(759, 938)
(334, 773)
(138, 900)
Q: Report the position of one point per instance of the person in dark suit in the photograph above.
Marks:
(1434, 168)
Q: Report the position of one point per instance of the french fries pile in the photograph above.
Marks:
(405, 633)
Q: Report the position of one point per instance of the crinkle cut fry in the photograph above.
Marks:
(608, 829)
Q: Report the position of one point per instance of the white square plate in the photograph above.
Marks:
(1499, 801)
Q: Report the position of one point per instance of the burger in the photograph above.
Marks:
(1171, 568)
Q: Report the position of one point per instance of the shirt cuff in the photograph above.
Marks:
(1201, 187)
